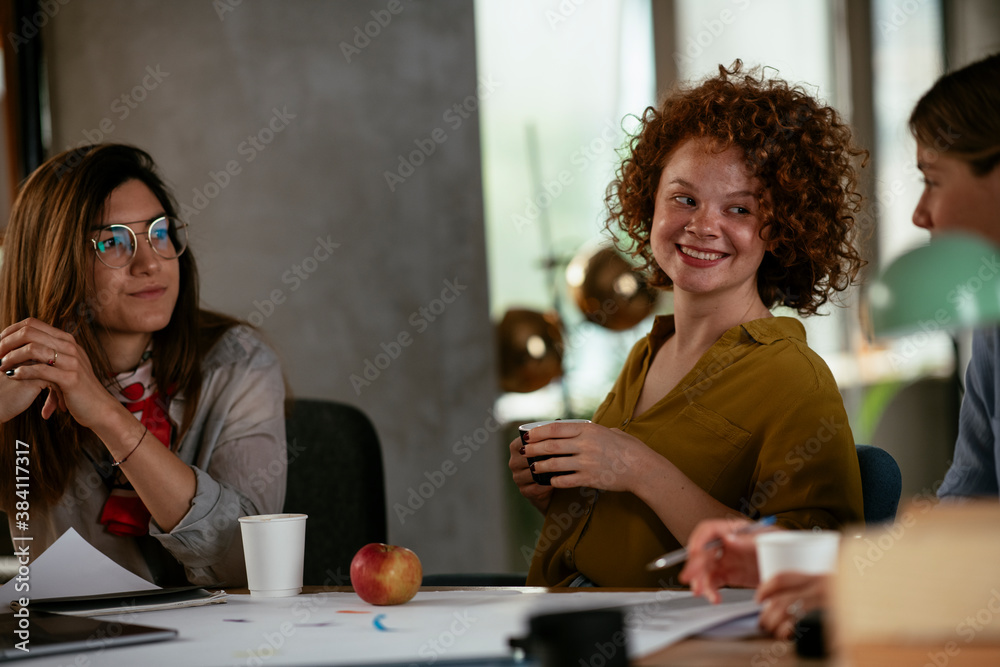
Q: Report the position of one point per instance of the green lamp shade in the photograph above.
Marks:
(951, 283)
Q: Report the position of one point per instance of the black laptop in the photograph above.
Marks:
(42, 633)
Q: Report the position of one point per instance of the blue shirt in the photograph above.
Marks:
(974, 470)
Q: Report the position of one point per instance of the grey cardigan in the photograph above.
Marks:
(236, 447)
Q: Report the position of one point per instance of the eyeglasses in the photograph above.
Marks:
(115, 244)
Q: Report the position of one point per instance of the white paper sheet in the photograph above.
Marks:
(739, 628)
(69, 567)
(338, 628)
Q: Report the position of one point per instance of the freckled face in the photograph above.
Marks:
(955, 199)
(138, 298)
(706, 225)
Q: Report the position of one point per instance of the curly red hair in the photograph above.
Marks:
(799, 149)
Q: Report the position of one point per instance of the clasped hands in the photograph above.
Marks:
(38, 356)
(594, 456)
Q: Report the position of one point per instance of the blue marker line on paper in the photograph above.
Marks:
(377, 622)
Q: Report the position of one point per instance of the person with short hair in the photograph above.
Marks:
(957, 127)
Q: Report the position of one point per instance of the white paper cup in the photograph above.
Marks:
(274, 548)
(807, 551)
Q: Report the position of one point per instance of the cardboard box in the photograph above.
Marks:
(922, 591)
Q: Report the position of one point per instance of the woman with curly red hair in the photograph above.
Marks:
(956, 125)
(739, 195)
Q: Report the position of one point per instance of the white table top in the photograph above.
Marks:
(339, 628)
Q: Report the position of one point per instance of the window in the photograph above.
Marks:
(571, 71)
(568, 73)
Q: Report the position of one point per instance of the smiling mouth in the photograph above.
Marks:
(697, 254)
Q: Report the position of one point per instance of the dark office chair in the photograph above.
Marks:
(476, 579)
(881, 483)
(335, 476)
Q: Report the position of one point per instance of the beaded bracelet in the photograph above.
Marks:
(145, 430)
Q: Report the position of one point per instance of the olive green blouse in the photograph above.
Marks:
(758, 423)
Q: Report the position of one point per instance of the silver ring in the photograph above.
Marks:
(795, 609)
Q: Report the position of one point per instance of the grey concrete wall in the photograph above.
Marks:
(276, 123)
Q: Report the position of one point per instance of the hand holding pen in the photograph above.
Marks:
(721, 552)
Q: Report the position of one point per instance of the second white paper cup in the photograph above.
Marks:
(808, 551)
(274, 548)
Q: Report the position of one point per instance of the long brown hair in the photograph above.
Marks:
(44, 274)
(960, 115)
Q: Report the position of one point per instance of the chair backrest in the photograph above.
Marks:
(335, 476)
(881, 483)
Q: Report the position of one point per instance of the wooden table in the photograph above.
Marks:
(762, 652)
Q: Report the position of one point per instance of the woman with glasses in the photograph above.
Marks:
(128, 413)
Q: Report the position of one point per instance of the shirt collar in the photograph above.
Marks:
(764, 331)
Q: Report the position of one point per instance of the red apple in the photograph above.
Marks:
(384, 574)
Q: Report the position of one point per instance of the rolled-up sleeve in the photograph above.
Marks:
(240, 463)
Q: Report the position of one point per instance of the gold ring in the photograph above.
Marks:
(52, 361)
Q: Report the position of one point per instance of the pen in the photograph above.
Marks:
(681, 555)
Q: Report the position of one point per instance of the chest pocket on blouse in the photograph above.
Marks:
(714, 443)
